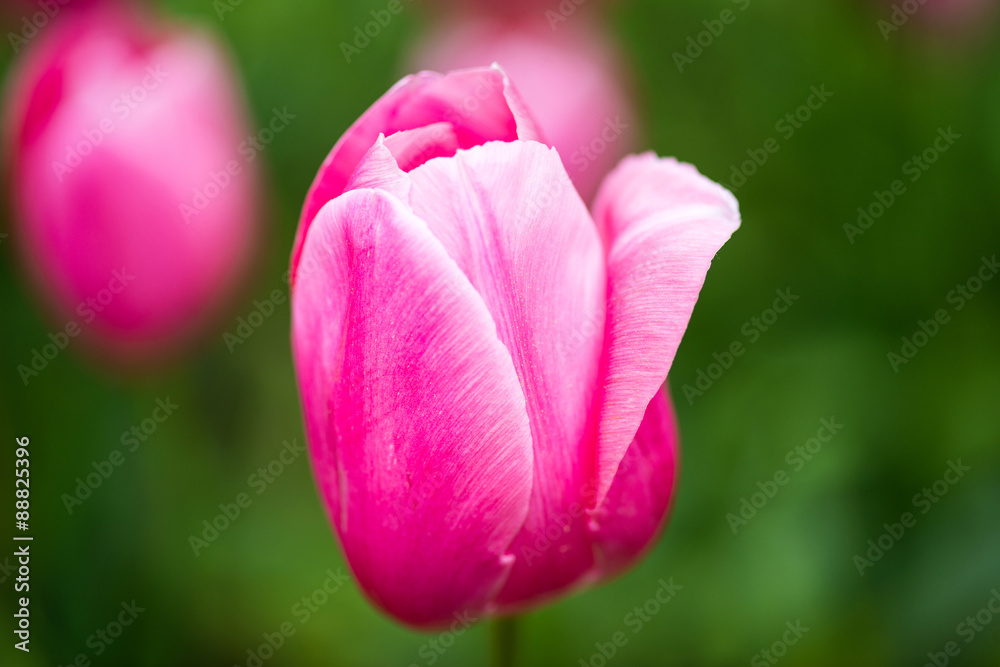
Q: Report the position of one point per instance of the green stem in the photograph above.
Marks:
(503, 632)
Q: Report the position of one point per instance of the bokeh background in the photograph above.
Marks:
(825, 358)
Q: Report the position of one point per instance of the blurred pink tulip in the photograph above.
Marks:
(135, 210)
(521, 8)
(571, 78)
(958, 12)
(481, 361)
(957, 16)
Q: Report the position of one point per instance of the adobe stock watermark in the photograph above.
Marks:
(635, 620)
(562, 12)
(121, 109)
(102, 638)
(435, 647)
(302, 611)
(31, 25)
(263, 309)
(363, 35)
(248, 325)
(927, 329)
(584, 332)
(259, 482)
(559, 524)
(488, 83)
(779, 649)
(696, 44)
(753, 329)
(7, 569)
(924, 501)
(786, 126)
(914, 168)
(248, 150)
(970, 628)
(585, 155)
(541, 200)
(131, 439)
(796, 458)
(87, 310)
(223, 7)
(900, 16)
(22, 616)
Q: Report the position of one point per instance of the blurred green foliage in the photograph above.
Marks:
(826, 357)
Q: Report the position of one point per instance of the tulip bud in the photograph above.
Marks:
(135, 211)
(481, 359)
(570, 78)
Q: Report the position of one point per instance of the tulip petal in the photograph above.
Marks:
(663, 223)
(378, 170)
(632, 513)
(508, 214)
(412, 148)
(480, 105)
(573, 79)
(417, 425)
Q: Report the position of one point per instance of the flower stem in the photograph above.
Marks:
(503, 632)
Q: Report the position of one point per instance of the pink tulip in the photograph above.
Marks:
(522, 8)
(481, 360)
(958, 16)
(571, 78)
(959, 13)
(135, 209)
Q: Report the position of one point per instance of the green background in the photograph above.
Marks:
(826, 357)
